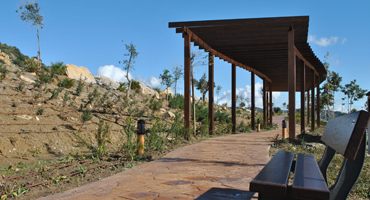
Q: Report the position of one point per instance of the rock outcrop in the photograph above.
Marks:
(75, 72)
(4, 58)
(144, 89)
(164, 92)
(105, 81)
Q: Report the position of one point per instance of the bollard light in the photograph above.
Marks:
(284, 129)
(258, 125)
(140, 136)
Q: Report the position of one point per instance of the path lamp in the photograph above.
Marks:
(284, 129)
(258, 125)
(140, 136)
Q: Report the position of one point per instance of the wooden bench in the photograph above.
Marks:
(344, 135)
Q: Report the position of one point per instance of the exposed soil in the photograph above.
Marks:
(44, 145)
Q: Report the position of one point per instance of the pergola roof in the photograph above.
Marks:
(259, 45)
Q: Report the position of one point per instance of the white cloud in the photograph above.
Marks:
(246, 92)
(118, 75)
(344, 40)
(115, 73)
(151, 82)
(324, 41)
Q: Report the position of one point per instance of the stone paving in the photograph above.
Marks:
(218, 168)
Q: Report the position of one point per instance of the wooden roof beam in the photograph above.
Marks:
(299, 55)
(202, 44)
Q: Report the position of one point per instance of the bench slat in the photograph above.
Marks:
(308, 178)
(273, 178)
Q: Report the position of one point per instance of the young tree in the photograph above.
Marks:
(353, 93)
(203, 86)
(30, 12)
(284, 105)
(129, 64)
(326, 95)
(218, 89)
(335, 81)
(177, 74)
(196, 59)
(166, 79)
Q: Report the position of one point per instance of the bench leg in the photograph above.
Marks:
(348, 174)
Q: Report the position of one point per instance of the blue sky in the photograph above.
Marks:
(89, 34)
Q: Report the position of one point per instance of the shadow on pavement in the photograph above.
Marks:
(226, 193)
(207, 161)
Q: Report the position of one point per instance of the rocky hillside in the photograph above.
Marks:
(43, 108)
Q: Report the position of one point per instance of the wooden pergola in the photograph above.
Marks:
(274, 49)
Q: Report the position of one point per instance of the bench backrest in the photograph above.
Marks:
(345, 133)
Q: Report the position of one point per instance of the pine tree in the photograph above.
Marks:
(129, 64)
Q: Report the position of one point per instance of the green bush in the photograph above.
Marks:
(66, 83)
(80, 87)
(40, 111)
(135, 84)
(14, 51)
(3, 72)
(45, 77)
(155, 105)
(122, 87)
(157, 89)
(86, 115)
(177, 102)
(222, 117)
(58, 68)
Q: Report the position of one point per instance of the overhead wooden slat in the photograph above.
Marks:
(259, 45)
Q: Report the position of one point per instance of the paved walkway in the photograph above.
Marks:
(218, 168)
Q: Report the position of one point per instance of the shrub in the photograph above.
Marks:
(177, 102)
(40, 111)
(86, 115)
(58, 68)
(80, 87)
(122, 87)
(157, 89)
(55, 93)
(20, 86)
(129, 148)
(66, 83)
(45, 77)
(222, 117)
(3, 72)
(135, 84)
(98, 149)
(65, 98)
(155, 105)
(157, 139)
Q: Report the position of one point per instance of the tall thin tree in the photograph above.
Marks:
(218, 89)
(177, 72)
(129, 64)
(166, 80)
(196, 59)
(30, 12)
(353, 93)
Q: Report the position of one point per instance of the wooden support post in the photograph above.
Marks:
(211, 93)
(368, 103)
(264, 102)
(270, 103)
(312, 100)
(308, 107)
(303, 82)
(233, 99)
(318, 101)
(187, 109)
(291, 83)
(253, 108)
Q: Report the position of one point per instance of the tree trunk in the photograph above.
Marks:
(204, 96)
(38, 53)
(175, 87)
(129, 84)
(194, 114)
(167, 94)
